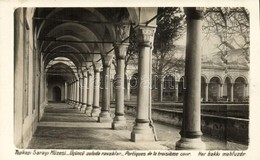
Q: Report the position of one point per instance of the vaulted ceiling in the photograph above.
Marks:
(80, 35)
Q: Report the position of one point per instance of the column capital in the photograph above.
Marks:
(76, 78)
(120, 50)
(88, 64)
(122, 32)
(85, 72)
(90, 71)
(86, 67)
(107, 60)
(194, 12)
(145, 35)
(80, 74)
(97, 66)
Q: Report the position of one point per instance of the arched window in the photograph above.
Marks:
(203, 88)
(239, 89)
(134, 84)
(181, 87)
(214, 89)
(169, 82)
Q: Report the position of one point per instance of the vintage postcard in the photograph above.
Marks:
(129, 79)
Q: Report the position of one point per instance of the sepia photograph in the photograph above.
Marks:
(169, 81)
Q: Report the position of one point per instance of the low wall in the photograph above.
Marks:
(224, 128)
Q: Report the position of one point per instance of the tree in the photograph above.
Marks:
(132, 51)
(231, 26)
(170, 28)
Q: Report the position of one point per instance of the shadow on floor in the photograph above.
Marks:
(64, 127)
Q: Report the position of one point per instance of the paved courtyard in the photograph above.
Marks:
(64, 127)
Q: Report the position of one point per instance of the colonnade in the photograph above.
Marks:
(143, 130)
(229, 93)
(220, 92)
(83, 90)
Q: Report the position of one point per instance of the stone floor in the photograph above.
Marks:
(64, 127)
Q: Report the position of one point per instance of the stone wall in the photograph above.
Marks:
(221, 127)
(29, 79)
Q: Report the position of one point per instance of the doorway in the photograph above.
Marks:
(56, 92)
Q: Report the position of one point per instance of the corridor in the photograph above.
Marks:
(64, 127)
(85, 57)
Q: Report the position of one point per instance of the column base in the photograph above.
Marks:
(79, 106)
(89, 110)
(190, 144)
(83, 108)
(73, 104)
(95, 112)
(142, 132)
(119, 123)
(104, 117)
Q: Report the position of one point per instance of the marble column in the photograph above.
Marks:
(191, 124)
(90, 92)
(96, 108)
(128, 96)
(72, 91)
(105, 115)
(68, 92)
(142, 130)
(112, 89)
(161, 87)
(77, 92)
(232, 92)
(220, 90)
(119, 121)
(176, 91)
(65, 91)
(206, 92)
(84, 90)
(80, 91)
